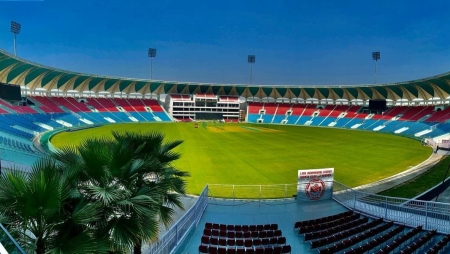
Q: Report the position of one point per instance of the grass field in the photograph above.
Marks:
(421, 183)
(271, 154)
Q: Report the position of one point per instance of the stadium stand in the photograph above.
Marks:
(350, 233)
(222, 238)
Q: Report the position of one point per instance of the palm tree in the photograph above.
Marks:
(132, 179)
(38, 206)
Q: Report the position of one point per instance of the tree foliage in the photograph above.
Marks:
(105, 195)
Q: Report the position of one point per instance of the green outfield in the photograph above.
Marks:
(271, 154)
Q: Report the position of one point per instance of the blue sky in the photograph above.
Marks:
(295, 42)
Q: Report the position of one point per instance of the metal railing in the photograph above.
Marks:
(252, 192)
(8, 243)
(178, 231)
(411, 212)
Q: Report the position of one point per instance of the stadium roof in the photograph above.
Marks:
(14, 70)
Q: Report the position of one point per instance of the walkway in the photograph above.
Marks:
(285, 214)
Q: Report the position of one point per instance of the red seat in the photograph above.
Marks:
(207, 232)
(259, 250)
(203, 248)
(231, 251)
(240, 251)
(231, 242)
(222, 241)
(205, 239)
(281, 240)
(248, 242)
(277, 250)
(286, 249)
(222, 250)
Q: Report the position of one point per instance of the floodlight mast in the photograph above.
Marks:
(15, 29)
(151, 54)
(376, 57)
(251, 61)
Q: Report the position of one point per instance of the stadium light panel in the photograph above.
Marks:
(251, 58)
(15, 27)
(151, 52)
(376, 56)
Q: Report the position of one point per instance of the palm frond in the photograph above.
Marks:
(80, 244)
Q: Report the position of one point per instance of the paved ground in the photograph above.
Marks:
(284, 213)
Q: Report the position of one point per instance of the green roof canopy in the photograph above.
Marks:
(35, 76)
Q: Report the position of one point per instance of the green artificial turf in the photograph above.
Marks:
(420, 183)
(253, 154)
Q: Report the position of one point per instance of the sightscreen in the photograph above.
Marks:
(208, 116)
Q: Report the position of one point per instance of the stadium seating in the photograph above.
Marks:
(243, 239)
(46, 104)
(20, 124)
(351, 233)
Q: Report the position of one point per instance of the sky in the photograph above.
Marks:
(295, 42)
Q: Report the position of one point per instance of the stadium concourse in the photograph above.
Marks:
(51, 100)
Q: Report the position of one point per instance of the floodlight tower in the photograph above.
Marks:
(376, 57)
(151, 54)
(15, 29)
(251, 61)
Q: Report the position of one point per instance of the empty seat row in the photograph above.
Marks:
(328, 224)
(338, 236)
(439, 245)
(231, 242)
(245, 228)
(247, 250)
(333, 230)
(299, 224)
(242, 234)
(367, 246)
(397, 242)
(419, 243)
(346, 243)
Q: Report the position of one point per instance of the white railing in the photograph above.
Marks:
(431, 215)
(252, 192)
(168, 242)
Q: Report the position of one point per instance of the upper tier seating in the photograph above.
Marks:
(180, 97)
(270, 108)
(153, 105)
(439, 116)
(70, 103)
(16, 109)
(124, 103)
(103, 104)
(229, 98)
(283, 108)
(46, 104)
(254, 107)
(417, 112)
(138, 105)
